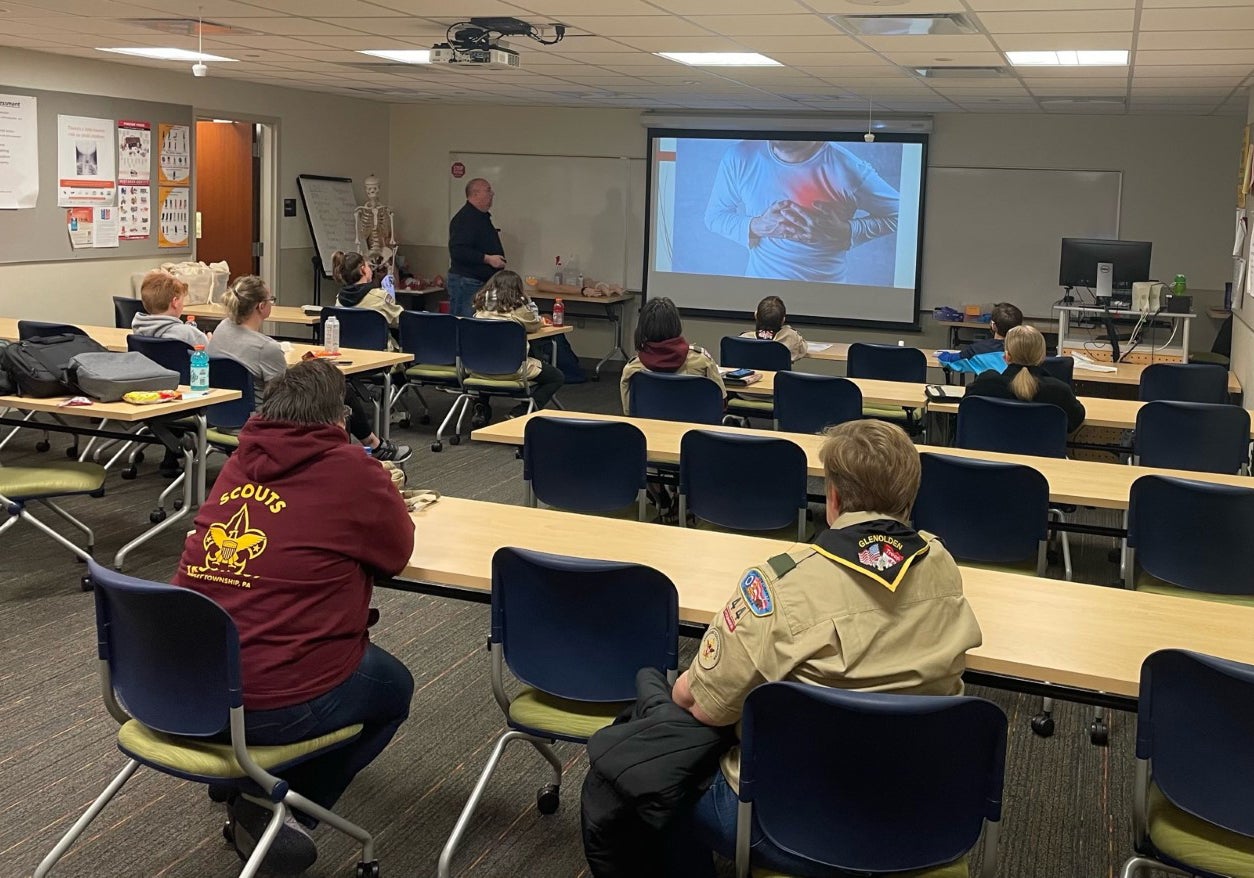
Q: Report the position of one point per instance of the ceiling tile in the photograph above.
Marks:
(831, 41)
(1196, 39)
(1050, 41)
(846, 7)
(727, 7)
(950, 59)
(1210, 18)
(636, 26)
(1048, 5)
(681, 44)
(1195, 56)
(1058, 22)
(763, 25)
(941, 44)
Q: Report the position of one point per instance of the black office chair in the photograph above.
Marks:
(124, 310)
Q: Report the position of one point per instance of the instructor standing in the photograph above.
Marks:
(474, 247)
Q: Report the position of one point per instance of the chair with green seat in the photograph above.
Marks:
(22, 485)
(1190, 539)
(550, 629)
(1194, 767)
(883, 362)
(227, 418)
(811, 403)
(917, 809)
(491, 356)
(170, 672)
(431, 339)
(761, 355)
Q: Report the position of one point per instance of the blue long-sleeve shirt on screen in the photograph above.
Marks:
(751, 178)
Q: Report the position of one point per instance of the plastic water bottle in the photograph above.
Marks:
(1179, 286)
(579, 282)
(557, 271)
(901, 342)
(200, 369)
(331, 335)
(191, 321)
(559, 312)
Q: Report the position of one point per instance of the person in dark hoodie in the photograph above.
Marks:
(294, 567)
(359, 289)
(661, 347)
(985, 354)
(1025, 379)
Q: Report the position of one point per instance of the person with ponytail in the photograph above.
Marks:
(1025, 378)
(358, 287)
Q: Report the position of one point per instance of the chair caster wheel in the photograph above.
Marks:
(228, 832)
(425, 419)
(178, 504)
(368, 870)
(1099, 733)
(137, 458)
(547, 799)
(71, 452)
(130, 473)
(1043, 724)
(42, 445)
(596, 376)
(437, 446)
(84, 582)
(455, 439)
(156, 516)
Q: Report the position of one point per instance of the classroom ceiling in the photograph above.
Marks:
(1187, 56)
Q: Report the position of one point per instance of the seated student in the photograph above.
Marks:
(164, 296)
(359, 289)
(248, 303)
(829, 615)
(503, 298)
(1024, 378)
(661, 347)
(294, 566)
(985, 354)
(771, 319)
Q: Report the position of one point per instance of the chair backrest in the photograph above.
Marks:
(39, 329)
(742, 482)
(172, 353)
(1184, 382)
(986, 511)
(431, 338)
(886, 363)
(361, 328)
(172, 653)
(754, 353)
(228, 374)
(1062, 368)
(1193, 534)
(891, 782)
(1193, 721)
(550, 613)
(669, 397)
(1012, 426)
(809, 403)
(488, 346)
(584, 466)
(124, 310)
(1193, 435)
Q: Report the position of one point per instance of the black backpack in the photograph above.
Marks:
(36, 366)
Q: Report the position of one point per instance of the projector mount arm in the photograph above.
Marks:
(482, 33)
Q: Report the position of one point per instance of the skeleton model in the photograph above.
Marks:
(375, 241)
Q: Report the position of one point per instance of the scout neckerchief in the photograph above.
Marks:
(881, 550)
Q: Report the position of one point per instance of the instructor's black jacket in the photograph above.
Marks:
(648, 767)
(471, 236)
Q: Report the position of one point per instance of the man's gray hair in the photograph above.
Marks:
(311, 392)
(475, 183)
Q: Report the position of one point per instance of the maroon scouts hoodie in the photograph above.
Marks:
(287, 542)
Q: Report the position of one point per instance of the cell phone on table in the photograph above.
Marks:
(738, 374)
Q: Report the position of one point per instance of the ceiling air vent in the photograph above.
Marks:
(960, 72)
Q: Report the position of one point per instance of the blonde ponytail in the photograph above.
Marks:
(1025, 347)
(1024, 385)
(244, 296)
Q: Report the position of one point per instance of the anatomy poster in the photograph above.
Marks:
(175, 165)
(19, 157)
(85, 164)
(134, 153)
(134, 212)
(173, 223)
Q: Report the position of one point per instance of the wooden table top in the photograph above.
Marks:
(278, 314)
(110, 336)
(351, 361)
(901, 393)
(119, 411)
(596, 300)
(839, 353)
(1068, 634)
(1083, 482)
(548, 331)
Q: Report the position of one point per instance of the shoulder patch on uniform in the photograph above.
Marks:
(696, 348)
(711, 649)
(756, 593)
(781, 564)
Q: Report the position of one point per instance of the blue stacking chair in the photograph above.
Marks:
(361, 328)
(668, 397)
(1190, 539)
(883, 362)
(761, 355)
(811, 403)
(1194, 770)
(431, 339)
(172, 353)
(822, 809)
(585, 466)
(490, 357)
(549, 630)
(1184, 382)
(1011, 426)
(1200, 436)
(226, 418)
(171, 656)
(41, 329)
(1062, 368)
(124, 310)
(743, 483)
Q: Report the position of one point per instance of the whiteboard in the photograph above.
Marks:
(994, 234)
(588, 207)
(329, 204)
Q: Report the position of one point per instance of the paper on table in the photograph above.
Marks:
(1083, 362)
(817, 347)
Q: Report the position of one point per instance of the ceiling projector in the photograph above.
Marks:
(476, 44)
(497, 56)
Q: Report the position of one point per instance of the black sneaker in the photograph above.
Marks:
(481, 416)
(293, 850)
(171, 466)
(390, 451)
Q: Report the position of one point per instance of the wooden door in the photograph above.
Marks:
(227, 189)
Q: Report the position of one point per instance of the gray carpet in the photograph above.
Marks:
(1067, 809)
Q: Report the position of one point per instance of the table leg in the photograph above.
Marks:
(1185, 357)
(189, 465)
(614, 313)
(386, 404)
(202, 457)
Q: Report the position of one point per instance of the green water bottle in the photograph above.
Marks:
(1178, 286)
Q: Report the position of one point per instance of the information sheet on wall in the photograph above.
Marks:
(19, 155)
(175, 205)
(134, 177)
(85, 163)
(175, 165)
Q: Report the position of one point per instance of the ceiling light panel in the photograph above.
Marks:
(400, 56)
(157, 53)
(1070, 58)
(720, 59)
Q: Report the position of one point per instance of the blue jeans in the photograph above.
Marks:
(461, 292)
(376, 695)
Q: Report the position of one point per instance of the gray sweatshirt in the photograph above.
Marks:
(165, 326)
(259, 354)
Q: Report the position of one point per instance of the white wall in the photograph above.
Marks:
(316, 134)
(1243, 322)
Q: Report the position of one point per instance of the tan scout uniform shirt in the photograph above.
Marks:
(698, 362)
(821, 622)
(530, 323)
(789, 338)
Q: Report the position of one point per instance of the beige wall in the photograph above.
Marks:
(316, 134)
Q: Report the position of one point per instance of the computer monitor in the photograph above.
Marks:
(1077, 266)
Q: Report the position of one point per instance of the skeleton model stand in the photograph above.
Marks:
(375, 241)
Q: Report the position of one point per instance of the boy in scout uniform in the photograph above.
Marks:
(871, 605)
(661, 347)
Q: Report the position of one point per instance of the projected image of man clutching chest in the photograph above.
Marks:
(801, 208)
